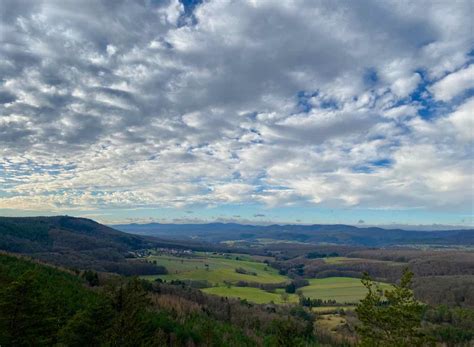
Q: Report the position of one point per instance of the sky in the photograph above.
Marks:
(356, 112)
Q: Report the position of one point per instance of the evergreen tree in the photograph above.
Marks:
(88, 326)
(129, 301)
(23, 318)
(390, 318)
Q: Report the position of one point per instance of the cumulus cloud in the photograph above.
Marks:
(129, 104)
(454, 84)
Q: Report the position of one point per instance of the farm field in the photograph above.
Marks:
(219, 270)
(346, 260)
(342, 289)
(255, 295)
(216, 269)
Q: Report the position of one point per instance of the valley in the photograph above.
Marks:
(254, 288)
(246, 278)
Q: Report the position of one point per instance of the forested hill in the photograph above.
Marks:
(42, 234)
(77, 243)
(335, 234)
(45, 306)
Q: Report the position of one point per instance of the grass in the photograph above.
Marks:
(216, 269)
(220, 268)
(345, 260)
(255, 295)
(330, 321)
(332, 309)
(342, 289)
(338, 260)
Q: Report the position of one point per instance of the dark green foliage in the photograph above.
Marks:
(315, 255)
(91, 277)
(88, 325)
(129, 302)
(390, 318)
(160, 269)
(286, 334)
(308, 302)
(21, 320)
(290, 288)
(44, 306)
(241, 270)
(35, 301)
(450, 325)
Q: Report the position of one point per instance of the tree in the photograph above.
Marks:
(129, 302)
(290, 288)
(390, 318)
(91, 277)
(88, 326)
(23, 319)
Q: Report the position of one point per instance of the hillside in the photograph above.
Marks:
(45, 306)
(318, 233)
(76, 243)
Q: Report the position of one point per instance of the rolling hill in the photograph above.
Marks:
(78, 243)
(331, 234)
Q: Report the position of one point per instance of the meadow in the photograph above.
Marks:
(216, 269)
(342, 289)
(219, 270)
(347, 260)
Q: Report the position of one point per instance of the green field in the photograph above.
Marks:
(332, 309)
(215, 268)
(341, 289)
(344, 260)
(219, 269)
(256, 295)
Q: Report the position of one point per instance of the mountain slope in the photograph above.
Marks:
(334, 234)
(74, 242)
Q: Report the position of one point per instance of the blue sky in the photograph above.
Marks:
(252, 111)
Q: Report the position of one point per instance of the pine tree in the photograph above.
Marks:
(130, 302)
(390, 318)
(22, 313)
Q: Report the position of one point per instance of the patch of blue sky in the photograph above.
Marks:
(188, 17)
(431, 108)
(306, 101)
(328, 104)
(304, 104)
(370, 77)
(372, 166)
(261, 187)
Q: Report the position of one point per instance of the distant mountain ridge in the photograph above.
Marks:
(317, 233)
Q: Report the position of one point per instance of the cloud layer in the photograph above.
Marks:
(363, 104)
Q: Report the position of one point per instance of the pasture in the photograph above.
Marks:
(342, 289)
(346, 260)
(219, 270)
(216, 269)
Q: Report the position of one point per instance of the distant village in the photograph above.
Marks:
(142, 253)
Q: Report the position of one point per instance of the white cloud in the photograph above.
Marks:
(454, 84)
(132, 104)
